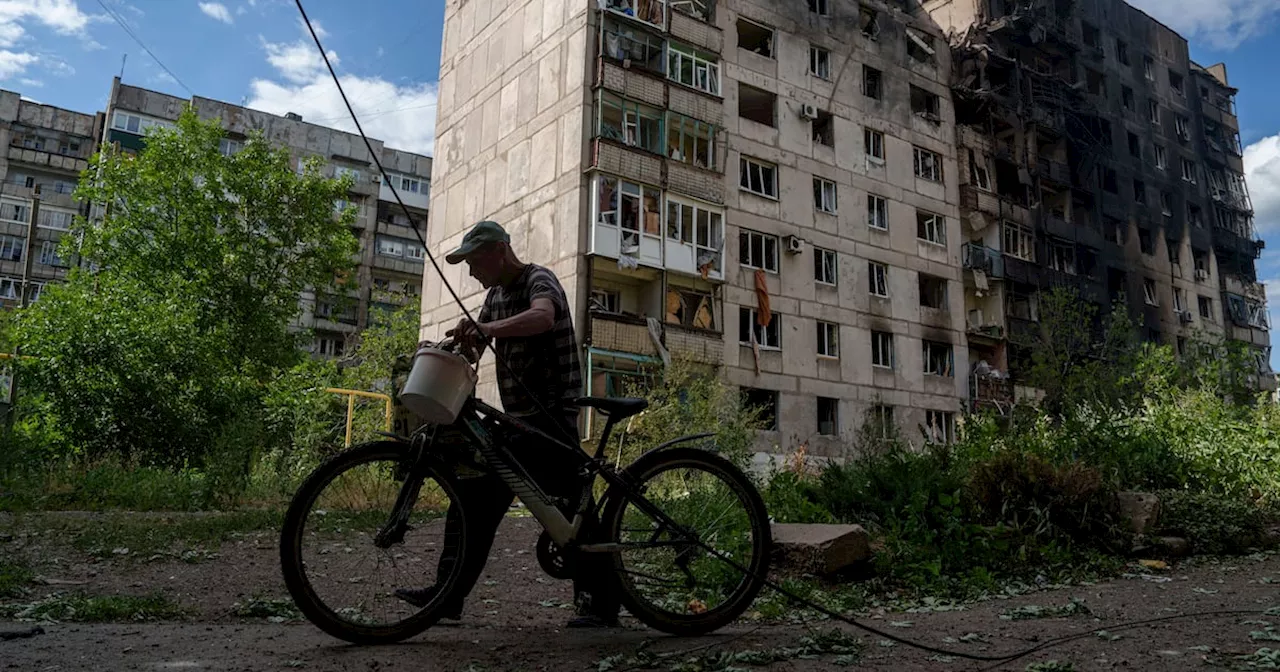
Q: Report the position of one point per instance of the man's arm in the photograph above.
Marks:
(538, 319)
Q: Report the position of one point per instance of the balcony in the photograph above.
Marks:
(1023, 332)
(50, 159)
(1054, 171)
(633, 164)
(696, 345)
(984, 259)
(420, 200)
(990, 393)
(691, 22)
(621, 333)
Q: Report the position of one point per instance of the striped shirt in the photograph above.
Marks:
(546, 364)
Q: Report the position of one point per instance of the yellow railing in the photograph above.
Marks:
(351, 406)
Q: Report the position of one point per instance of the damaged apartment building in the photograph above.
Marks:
(768, 188)
(1095, 155)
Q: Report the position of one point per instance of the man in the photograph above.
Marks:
(528, 318)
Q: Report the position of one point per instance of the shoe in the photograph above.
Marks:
(593, 621)
(420, 597)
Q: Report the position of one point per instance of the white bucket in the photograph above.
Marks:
(438, 385)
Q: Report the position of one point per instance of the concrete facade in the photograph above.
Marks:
(44, 147)
(1096, 155)
(657, 157)
(390, 259)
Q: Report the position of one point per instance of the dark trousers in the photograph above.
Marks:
(487, 500)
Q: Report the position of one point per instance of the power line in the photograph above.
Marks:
(374, 113)
(123, 25)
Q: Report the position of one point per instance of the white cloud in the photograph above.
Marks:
(33, 83)
(299, 61)
(217, 10)
(1221, 24)
(403, 117)
(1262, 173)
(14, 63)
(63, 16)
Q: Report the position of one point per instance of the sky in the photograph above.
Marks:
(387, 53)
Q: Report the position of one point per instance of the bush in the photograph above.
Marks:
(1214, 524)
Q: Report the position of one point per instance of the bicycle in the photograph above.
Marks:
(718, 573)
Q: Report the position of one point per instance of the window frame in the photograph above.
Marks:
(701, 67)
(816, 65)
(634, 120)
(877, 278)
(774, 329)
(715, 231)
(939, 421)
(931, 223)
(825, 195)
(746, 164)
(873, 145)
(882, 350)
(821, 268)
(919, 154)
(1188, 170)
(746, 235)
(876, 93)
(833, 405)
(828, 335)
(949, 367)
(689, 130)
(1024, 242)
(877, 205)
(1150, 291)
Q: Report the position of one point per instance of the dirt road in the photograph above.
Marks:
(514, 622)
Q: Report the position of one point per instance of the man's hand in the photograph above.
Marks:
(470, 336)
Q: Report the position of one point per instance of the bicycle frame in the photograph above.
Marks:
(500, 461)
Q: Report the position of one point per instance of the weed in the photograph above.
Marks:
(14, 576)
(843, 646)
(1051, 666)
(1215, 524)
(271, 608)
(143, 536)
(95, 609)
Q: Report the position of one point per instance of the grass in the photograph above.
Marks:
(262, 606)
(14, 576)
(845, 648)
(191, 537)
(82, 608)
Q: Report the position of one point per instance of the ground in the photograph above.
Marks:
(221, 606)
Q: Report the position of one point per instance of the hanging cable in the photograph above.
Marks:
(123, 25)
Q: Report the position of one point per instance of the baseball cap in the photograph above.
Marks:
(481, 234)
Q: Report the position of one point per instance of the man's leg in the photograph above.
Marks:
(486, 501)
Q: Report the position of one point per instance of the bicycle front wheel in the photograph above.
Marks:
(339, 562)
(680, 553)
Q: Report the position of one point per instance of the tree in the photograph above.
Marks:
(165, 352)
(1080, 355)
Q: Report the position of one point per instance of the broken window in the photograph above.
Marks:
(1140, 192)
(938, 360)
(1019, 242)
(630, 208)
(1062, 257)
(768, 336)
(878, 279)
(1175, 251)
(882, 349)
(1206, 307)
(869, 22)
(933, 292)
(979, 175)
(940, 427)
(1166, 204)
(649, 11)
(1162, 160)
(1110, 183)
(1194, 217)
(1090, 34)
(1122, 52)
(1176, 83)
(630, 123)
(1135, 146)
(757, 105)
(694, 68)
(931, 227)
(828, 340)
(877, 212)
(763, 402)
(819, 62)
(1188, 171)
(1113, 230)
(1096, 82)
(823, 129)
(1149, 68)
(920, 47)
(691, 141)
(696, 224)
(928, 165)
(755, 37)
(606, 301)
(872, 83)
(1126, 98)
(1023, 305)
(1149, 292)
(824, 195)
(690, 308)
(1182, 127)
(926, 105)
(873, 142)
(828, 413)
(758, 250)
(824, 266)
(1146, 242)
(819, 7)
(624, 43)
(1153, 112)
(758, 177)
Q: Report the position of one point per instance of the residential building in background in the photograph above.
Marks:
(44, 147)
(1094, 154)
(676, 161)
(390, 260)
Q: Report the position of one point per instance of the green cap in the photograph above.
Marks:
(481, 234)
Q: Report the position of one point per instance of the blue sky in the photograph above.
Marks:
(65, 52)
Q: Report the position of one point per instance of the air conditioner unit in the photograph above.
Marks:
(1202, 274)
(795, 244)
(1184, 317)
(809, 111)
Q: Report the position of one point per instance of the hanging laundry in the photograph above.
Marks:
(763, 316)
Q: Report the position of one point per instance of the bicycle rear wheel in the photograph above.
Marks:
(667, 578)
(342, 573)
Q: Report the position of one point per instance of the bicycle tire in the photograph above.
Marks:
(654, 463)
(305, 596)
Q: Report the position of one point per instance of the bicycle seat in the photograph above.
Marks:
(619, 408)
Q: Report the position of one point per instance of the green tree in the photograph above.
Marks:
(1082, 356)
(167, 350)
